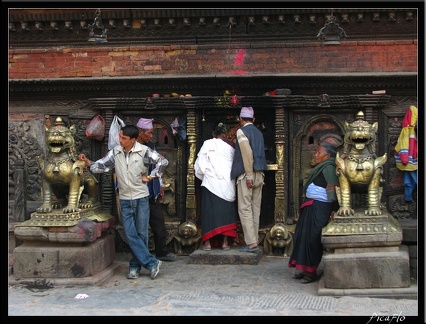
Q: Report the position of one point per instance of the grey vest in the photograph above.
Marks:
(257, 145)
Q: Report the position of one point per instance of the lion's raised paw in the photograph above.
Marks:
(345, 211)
(69, 209)
(373, 211)
(44, 209)
(87, 204)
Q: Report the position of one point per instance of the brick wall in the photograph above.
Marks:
(110, 61)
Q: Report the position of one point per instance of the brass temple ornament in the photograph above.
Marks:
(97, 23)
(331, 32)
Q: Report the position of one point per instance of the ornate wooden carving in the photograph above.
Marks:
(25, 144)
(288, 121)
(280, 197)
(190, 178)
(31, 27)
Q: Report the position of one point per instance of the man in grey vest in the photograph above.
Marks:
(248, 169)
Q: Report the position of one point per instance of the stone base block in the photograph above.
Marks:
(232, 256)
(35, 259)
(13, 241)
(378, 268)
(394, 293)
(97, 279)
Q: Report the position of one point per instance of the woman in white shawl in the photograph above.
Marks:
(218, 192)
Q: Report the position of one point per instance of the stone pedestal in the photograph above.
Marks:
(364, 252)
(35, 259)
(365, 268)
(64, 246)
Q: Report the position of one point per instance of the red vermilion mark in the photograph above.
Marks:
(239, 57)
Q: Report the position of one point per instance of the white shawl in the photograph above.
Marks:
(213, 167)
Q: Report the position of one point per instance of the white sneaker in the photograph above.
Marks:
(133, 274)
(156, 270)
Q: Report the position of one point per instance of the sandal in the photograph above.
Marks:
(299, 275)
(308, 279)
(225, 246)
(207, 246)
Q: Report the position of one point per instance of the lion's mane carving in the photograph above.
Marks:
(186, 236)
(358, 168)
(62, 173)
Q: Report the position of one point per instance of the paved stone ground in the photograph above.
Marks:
(183, 288)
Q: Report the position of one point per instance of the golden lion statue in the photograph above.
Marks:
(62, 172)
(278, 238)
(358, 168)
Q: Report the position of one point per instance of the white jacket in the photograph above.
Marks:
(213, 167)
(129, 171)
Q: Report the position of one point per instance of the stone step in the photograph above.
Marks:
(219, 256)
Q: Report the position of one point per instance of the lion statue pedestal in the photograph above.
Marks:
(58, 246)
(363, 245)
(67, 237)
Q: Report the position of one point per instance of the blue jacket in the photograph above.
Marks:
(154, 186)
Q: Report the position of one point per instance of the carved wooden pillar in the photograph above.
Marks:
(20, 207)
(107, 185)
(280, 201)
(191, 205)
(106, 108)
(371, 104)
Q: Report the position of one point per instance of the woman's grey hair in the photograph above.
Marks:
(329, 149)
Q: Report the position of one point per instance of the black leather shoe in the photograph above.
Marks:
(169, 257)
(309, 279)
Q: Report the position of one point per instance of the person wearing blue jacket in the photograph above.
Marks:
(156, 193)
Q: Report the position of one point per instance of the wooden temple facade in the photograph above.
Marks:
(192, 68)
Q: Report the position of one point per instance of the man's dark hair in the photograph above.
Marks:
(219, 129)
(130, 130)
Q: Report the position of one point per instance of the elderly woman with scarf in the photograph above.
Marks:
(315, 212)
(218, 208)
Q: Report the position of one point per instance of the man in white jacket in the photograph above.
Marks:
(130, 160)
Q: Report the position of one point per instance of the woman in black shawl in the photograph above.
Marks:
(319, 204)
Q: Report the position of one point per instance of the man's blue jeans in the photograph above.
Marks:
(135, 219)
(410, 183)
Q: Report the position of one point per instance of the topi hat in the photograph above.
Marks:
(144, 123)
(247, 112)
